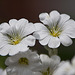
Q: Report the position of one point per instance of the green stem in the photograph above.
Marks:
(51, 51)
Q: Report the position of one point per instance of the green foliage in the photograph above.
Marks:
(2, 61)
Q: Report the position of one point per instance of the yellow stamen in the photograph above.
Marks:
(47, 72)
(55, 32)
(15, 40)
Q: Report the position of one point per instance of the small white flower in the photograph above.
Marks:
(48, 65)
(15, 36)
(3, 72)
(22, 63)
(59, 28)
(66, 68)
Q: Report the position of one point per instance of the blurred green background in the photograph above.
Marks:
(30, 9)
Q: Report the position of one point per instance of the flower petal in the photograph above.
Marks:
(44, 58)
(27, 72)
(63, 19)
(44, 18)
(54, 42)
(73, 61)
(41, 34)
(18, 48)
(12, 22)
(62, 70)
(37, 73)
(39, 27)
(29, 28)
(56, 59)
(4, 50)
(4, 27)
(55, 16)
(22, 22)
(69, 28)
(45, 61)
(65, 40)
(29, 40)
(45, 40)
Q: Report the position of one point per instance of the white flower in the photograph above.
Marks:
(20, 72)
(56, 28)
(15, 36)
(66, 68)
(48, 65)
(22, 63)
(3, 72)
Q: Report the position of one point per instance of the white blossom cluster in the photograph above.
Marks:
(17, 36)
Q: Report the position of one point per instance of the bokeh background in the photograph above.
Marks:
(30, 9)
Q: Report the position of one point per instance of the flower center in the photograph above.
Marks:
(23, 60)
(55, 31)
(47, 72)
(15, 40)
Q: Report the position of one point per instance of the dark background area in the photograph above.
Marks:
(30, 9)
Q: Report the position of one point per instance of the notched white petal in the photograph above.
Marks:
(12, 22)
(44, 58)
(44, 41)
(54, 13)
(63, 19)
(4, 27)
(54, 42)
(29, 29)
(65, 40)
(40, 27)
(40, 34)
(43, 17)
(21, 22)
(29, 40)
